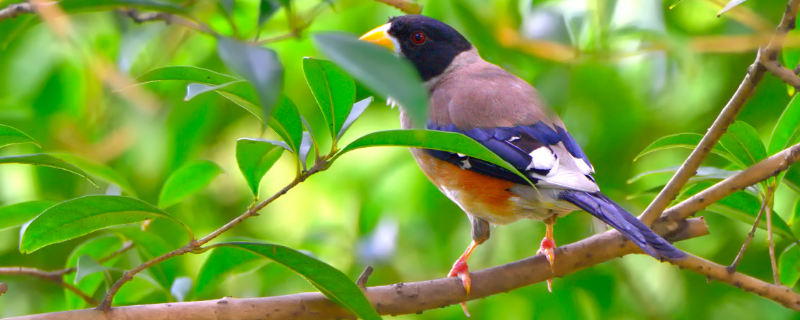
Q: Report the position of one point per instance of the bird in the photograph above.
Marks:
(505, 114)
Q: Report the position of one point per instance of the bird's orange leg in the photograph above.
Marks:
(548, 247)
(461, 270)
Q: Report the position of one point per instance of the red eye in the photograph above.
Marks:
(418, 37)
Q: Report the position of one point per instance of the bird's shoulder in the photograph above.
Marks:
(481, 94)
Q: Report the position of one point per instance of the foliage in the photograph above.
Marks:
(144, 125)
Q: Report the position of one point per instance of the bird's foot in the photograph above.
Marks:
(548, 247)
(461, 270)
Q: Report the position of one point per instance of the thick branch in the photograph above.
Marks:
(725, 118)
(401, 298)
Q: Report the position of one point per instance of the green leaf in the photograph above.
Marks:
(356, 112)
(787, 127)
(186, 181)
(792, 177)
(16, 214)
(97, 248)
(258, 65)
(266, 9)
(149, 246)
(743, 142)
(744, 206)
(87, 266)
(46, 160)
(255, 157)
(228, 6)
(223, 262)
(789, 265)
(10, 135)
(378, 69)
(99, 171)
(180, 288)
(285, 121)
(187, 73)
(77, 217)
(333, 89)
(430, 139)
(331, 282)
(795, 213)
(682, 140)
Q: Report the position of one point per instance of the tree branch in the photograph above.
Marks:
(15, 10)
(52, 276)
(754, 75)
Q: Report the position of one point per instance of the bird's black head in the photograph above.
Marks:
(431, 45)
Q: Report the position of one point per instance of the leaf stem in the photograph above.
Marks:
(732, 268)
(769, 200)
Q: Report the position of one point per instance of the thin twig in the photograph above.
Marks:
(772, 259)
(788, 76)
(406, 6)
(52, 276)
(125, 247)
(296, 29)
(732, 267)
(754, 75)
(15, 10)
(168, 18)
(364, 277)
(196, 245)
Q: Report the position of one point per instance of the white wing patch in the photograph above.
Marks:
(582, 166)
(542, 159)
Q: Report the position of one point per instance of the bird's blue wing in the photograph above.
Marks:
(534, 150)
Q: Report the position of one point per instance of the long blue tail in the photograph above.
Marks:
(612, 214)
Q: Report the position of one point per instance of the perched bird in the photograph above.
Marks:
(506, 115)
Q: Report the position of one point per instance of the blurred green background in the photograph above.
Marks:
(620, 74)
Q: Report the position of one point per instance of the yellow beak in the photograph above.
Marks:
(380, 35)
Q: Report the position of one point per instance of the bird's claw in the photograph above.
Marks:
(461, 270)
(548, 248)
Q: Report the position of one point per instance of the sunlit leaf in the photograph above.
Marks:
(702, 173)
(792, 177)
(180, 288)
(378, 69)
(186, 181)
(355, 113)
(196, 89)
(743, 142)
(731, 4)
(255, 157)
(331, 282)
(187, 73)
(258, 65)
(77, 217)
(46, 160)
(786, 130)
(223, 262)
(87, 266)
(682, 140)
(789, 265)
(333, 89)
(10, 135)
(16, 214)
(429, 139)
(305, 148)
(97, 248)
(99, 171)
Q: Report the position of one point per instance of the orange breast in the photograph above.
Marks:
(477, 194)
